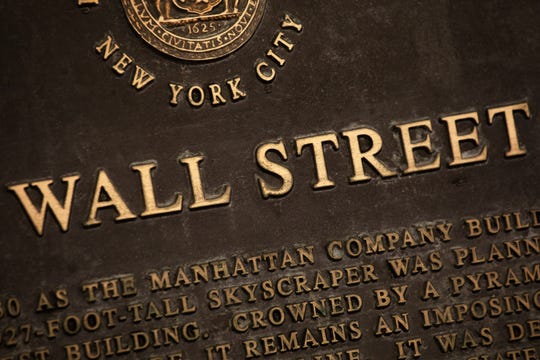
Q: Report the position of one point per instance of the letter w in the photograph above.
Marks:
(399, 266)
(447, 342)
(297, 311)
(141, 78)
(49, 200)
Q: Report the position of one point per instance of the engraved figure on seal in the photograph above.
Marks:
(199, 7)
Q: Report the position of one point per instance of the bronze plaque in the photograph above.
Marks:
(252, 179)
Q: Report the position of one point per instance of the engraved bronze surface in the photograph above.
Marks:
(250, 179)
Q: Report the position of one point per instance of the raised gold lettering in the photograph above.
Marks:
(49, 201)
(282, 172)
(424, 144)
(456, 139)
(510, 121)
(106, 187)
(199, 197)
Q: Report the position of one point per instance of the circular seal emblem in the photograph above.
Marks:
(195, 29)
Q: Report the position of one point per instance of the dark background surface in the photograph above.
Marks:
(374, 63)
